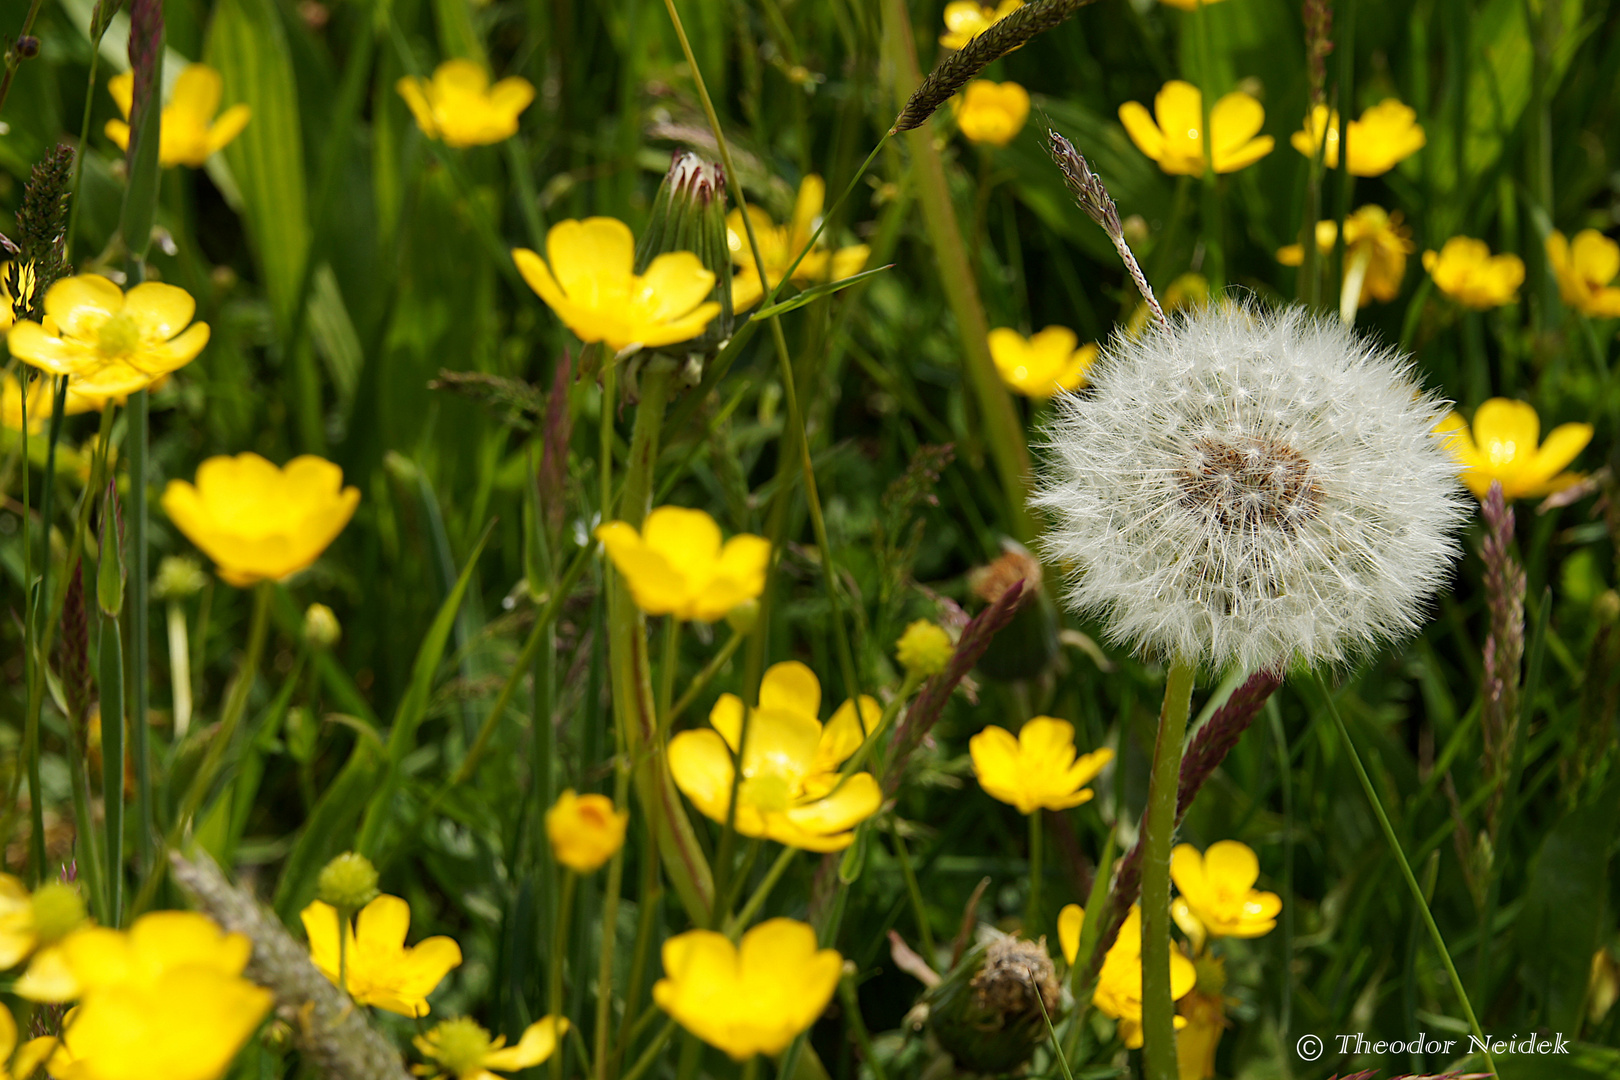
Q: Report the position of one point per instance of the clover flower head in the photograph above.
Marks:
(967, 19)
(1505, 447)
(790, 790)
(381, 970)
(779, 245)
(1386, 135)
(924, 649)
(1037, 769)
(107, 341)
(463, 1049)
(1585, 268)
(751, 998)
(991, 113)
(677, 565)
(588, 278)
(460, 108)
(584, 830)
(1246, 487)
(1466, 271)
(1173, 135)
(190, 132)
(1119, 982)
(1218, 897)
(1043, 363)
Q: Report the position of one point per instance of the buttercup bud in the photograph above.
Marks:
(924, 649)
(178, 577)
(321, 627)
(348, 882)
(58, 910)
(585, 831)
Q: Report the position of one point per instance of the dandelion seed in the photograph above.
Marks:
(1245, 487)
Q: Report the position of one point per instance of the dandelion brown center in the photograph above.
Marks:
(1247, 483)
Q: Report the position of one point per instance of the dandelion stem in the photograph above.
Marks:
(1406, 868)
(1158, 827)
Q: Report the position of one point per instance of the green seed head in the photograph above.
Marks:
(58, 910)
(460, 1045)
(348, 882)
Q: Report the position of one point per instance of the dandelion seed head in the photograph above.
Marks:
(1251, 488)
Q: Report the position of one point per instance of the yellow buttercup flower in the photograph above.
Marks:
(1189, 5)
(258, 522)
(1119, 983)
(676, 565)
(1386, 135)
(751, 998)
(1585, 269)
(381, 971)
(460, 108)
(790, 790)
(1467, 272)
(1038, 769)
(166, 998)
(1041, 365)
(779, 245)
(464, 1049)
(1503, 447)
(1176, 139)
(37, 925)
(592, 285)
(991, 112)
(1372, 234)
(111, 342)
(967, 19)
(190, 134)
(1217, 889)
(29, 1058)
(584, 830)
(924, 649)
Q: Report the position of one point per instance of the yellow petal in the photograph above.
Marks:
(845, 732)
(1563, 444)
(855, 800)
(806, 209)
(1245, 155)
(701, 764)
(1143, 131)
(79, 304)
(536, 1044)
(122, 89)
(228, 126)
(414, 90)
(1231, 866)
(162, 311)
(791, 687)
(675, 283)
(591, 260)
(117, 132)
(1071, 920)
(321, 928)
(196, 94)
(30, 343)
(682, 536)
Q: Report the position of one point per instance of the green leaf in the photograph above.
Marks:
(1563, 918)
(816, 292)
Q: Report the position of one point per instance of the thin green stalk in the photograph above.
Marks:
(650, 1055)
(666, 669)
(1051, 1035)
(139, 628)
(1406, 868)
(1158, 828)
(110, 682)
(704, 677)
(919, 910)
(648, 906)
(559, 946)
(41, 626)
(610, 922)
(1032, 918)
(90, 861)
(738, 922)
(342, 918)
(857, 1027)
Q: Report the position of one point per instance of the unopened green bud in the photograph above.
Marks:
(987, 1011)
(178, 577)
(461, 1045)
(301, 734)
(743, 617)
(689, 214)
(58, 910)
(110, 572)
(348, 882)
(1606, 608)
(321, 627)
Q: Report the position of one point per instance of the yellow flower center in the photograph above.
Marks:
(58, 910)
(769, 790)
(118, 336)
(461, 1045)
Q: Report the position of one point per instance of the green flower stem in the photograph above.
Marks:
(1032, 917)
(139, 626)
(650, 1055)
(1002, 429)
(342, 918)
(666, 670)
(559, 946)
(110, 683)
(1406, 868)
(610, 920)
(90, 861)
(632, 678)
(918, 908)
(739, 922)
(704, 677)
(1158, 828)
(857, 1026)
(648, 906)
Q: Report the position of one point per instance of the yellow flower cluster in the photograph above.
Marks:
(779, 245)
(1466, 271)
(459, 107)
(190, 133)
(259, 522)
(380, 969)
(1373, 237)
(107, 341)
(1386, 135)
(790, 789)
(1218, 897)
(1042, 364)
(1585, 269)
(584, 830)
(1173, 135)
(967, 19)
(1039, 768)
(991, 113)
(676, 565)
(1119, 982)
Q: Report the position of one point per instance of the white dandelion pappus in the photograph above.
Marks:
(1250, 487)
